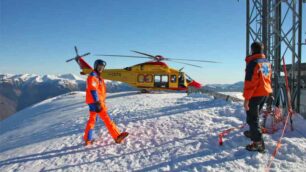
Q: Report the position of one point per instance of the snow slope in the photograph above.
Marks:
(168, 132)
(238, 95)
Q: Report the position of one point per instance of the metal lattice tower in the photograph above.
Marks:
(278, 25)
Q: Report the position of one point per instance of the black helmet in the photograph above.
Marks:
(99, 62)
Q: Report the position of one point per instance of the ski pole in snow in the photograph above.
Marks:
(226, 132)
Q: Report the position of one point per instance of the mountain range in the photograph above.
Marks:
(236, 87)
(22, 90)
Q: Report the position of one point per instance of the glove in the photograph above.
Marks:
(98, 107)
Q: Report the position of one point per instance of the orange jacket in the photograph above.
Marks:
(95, 89)
(257, 76)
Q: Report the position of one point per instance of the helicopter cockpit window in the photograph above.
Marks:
(188, 79)
(140, 78)
(173, 78)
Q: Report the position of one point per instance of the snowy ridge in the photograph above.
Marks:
(65, 80)
(28, 79)
(168, 132)
(235, 87)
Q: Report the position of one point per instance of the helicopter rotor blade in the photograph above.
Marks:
(149, 55)
(112, 55)
(76, 50)
(203, 61)
(86, 54)
(185, 63)
(154, 57)
(70, 59)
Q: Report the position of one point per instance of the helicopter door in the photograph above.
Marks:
(161, 81)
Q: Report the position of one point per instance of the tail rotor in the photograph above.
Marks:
(77, 55)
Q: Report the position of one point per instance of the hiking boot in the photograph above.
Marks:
(247, 134)
(121, 137)
(256, 146)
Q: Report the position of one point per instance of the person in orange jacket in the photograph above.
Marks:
(257, 87)
(95, 98)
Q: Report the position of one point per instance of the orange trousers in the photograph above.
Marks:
(110, 125)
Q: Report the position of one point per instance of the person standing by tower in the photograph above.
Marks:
(257, 87)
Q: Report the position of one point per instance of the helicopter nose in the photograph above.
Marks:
(195, 84)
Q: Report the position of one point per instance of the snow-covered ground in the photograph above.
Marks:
(168, 132)
(234, 94)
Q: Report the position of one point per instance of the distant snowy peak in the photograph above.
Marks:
(17, 77)
(71, 81)
(26, 77)
(71, 77)
(29, 79)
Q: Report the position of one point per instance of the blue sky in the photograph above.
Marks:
(37, 36)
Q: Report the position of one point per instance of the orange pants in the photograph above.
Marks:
(110, 125)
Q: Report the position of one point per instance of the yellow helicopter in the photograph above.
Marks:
(151, 75)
